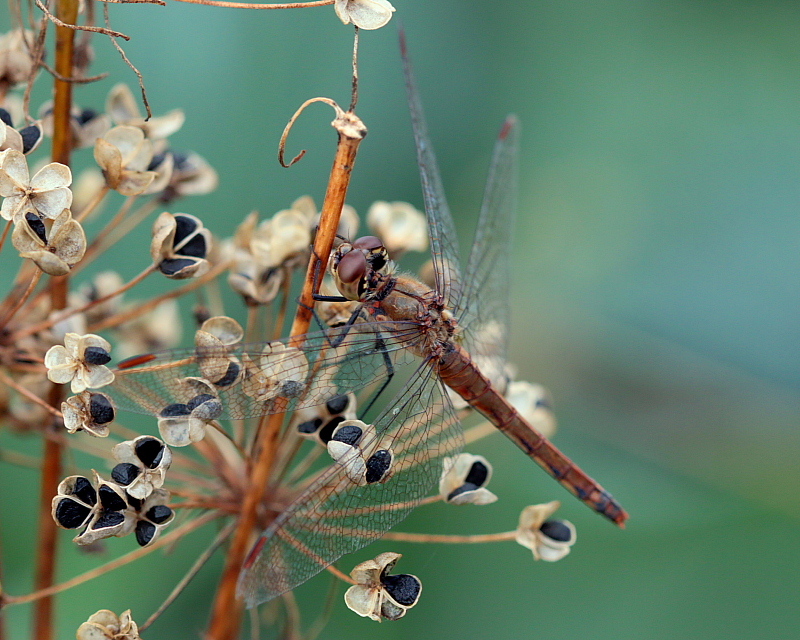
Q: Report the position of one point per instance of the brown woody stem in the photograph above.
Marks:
(226, 614)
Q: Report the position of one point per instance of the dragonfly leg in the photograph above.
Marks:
(380, 345)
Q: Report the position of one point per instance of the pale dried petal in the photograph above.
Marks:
(132, 183)
(52, 203)
(57, 356)
(364, 601)
(52, 176)
(365, 14)
(14, 174)
(109, 159)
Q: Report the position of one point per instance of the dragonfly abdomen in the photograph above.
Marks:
(460, 373)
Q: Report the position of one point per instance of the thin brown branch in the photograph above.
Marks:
(246, 5)
(290, 124)
(399, 536)
(21, 300)
(163, 541)
(29, 395)
(354, 94)
(69, 25)
(129, 63)
(198, 564)
(63, 78)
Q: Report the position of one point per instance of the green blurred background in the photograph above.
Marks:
(657, 291)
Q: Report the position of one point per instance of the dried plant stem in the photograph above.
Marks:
(479, 431)
(21, 301)
(5, 234)
(342, 576)
(46, 324)
(93, 203)
(69, 23)
(226, 614)
(131, 314)
(59, 286)
(198, 564)
(163, 541)
(245, 5)
(29, 395)
(399, 536)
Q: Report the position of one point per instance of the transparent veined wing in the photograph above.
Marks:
(334, 515)
(443, 239)
(273, 377)
(483, 310)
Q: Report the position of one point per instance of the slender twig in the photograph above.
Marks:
(290, 124)
(95, 202)
(82, 80)
(5, 234)
(163, 541)
(129, 63)
(29, 395)
(198, 564)
(21, 300)
(400, 536)
(354, 94)
(246, 5)
(69, 25)
(342, 576)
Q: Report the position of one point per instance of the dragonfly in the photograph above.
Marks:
(449, 332)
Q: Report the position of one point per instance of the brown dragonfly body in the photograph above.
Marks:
(403, 299)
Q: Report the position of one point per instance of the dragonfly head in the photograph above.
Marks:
(355, 266)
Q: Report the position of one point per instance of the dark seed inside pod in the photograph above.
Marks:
(467, 486)
(544, 402)
(403, 588)
(309, 426)
(125, 473)
(37, 226)
(110, 499)
(175, 410)
(71, 515)
(327, 431)
(96, 355)
(150, 451)
(377, 465)
(31, 137)
(478, 473)
(292, 388)
(83, 490)
(349, 434)
(230, 375)
(337, 404)
(145, 531)
(556, 530)
(158, 514)
(195, 247)
(205, 406)
(108, 519)
(198, 400)
(85, 115)
(184, 225)
(171, 266)
(5, 117)
(133, 502)
(100, 408)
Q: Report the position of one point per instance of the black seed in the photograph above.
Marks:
(310, 426)
(134, 502)
(108, 519)
(86, 115)
(175, 410)
(145, 531)
(184, 226)
(556, 530)
(96, 355)
(158, 514)
(171, 266)
(292, 388)
(349, 434)
(327, 431)
(181, 158)
(84, 491)
(196, 247)
(467, 486)
(31, 137)
(337, 404)
(377, 465)
(5, 116)
(230, 375)
(198, 400)
(110, 499)
(478, 473)
(157, 160)
(37, 226)
(150, 451)
(403, 588)
(70, 514)
(125, 473)
(544, 402)
(100, 408)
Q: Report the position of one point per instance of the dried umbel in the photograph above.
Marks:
(89, 411)
(55, 246)
(180, 245)
(143, 464)
(378, 595)
(99, 508)
(81, 362)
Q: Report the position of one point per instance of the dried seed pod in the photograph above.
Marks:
(151, 516)
(549, 539)
(47, 193)
(89, 411)
(183, 423)
(464, 478)
(365, 14)
(54, 245)
(378, 595)
(180, 245)
(318, 423)
(81, 362)
(143, 464)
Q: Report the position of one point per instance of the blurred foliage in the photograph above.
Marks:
(657, 290)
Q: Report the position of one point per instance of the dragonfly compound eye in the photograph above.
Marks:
(369, 243)
(352, 267)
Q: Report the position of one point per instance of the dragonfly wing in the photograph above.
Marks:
(483, 310)
(258, 379)
(334, 516)
(443, 239)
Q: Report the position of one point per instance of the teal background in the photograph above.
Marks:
(656, 291)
